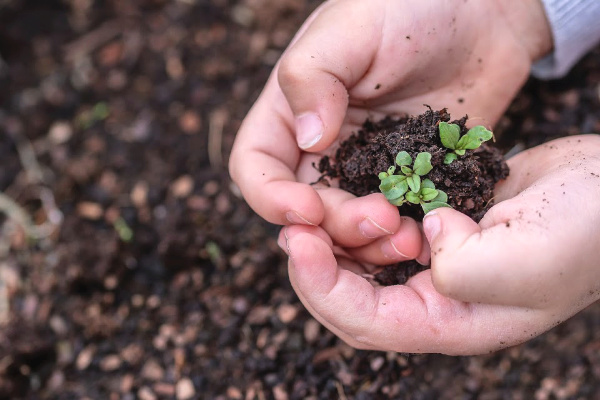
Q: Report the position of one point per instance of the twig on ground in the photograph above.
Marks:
(215, 138)
(89, 42)
(4, 300)
(340, 390)
(35, 177)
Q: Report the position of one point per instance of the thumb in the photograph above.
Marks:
(494, 265)
(317, 70)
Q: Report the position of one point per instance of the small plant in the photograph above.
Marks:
(428, 197)
(407, 185)
(450, 136)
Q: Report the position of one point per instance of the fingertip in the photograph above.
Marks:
(424, 256)
(407, 241)
(309, 130)
(432, 225)
(291, 231)
(312, 266)
(318, 118)
(288, 202)
(447, 231)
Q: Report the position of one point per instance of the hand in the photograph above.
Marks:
(531, 263)
(355, 59)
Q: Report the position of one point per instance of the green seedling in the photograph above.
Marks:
(123, 230)
(450, 136)
(393, 186)
(407, 185)
(428, 197)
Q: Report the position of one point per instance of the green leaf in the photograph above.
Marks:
(403, 158)
(414, 183)
(449, 134)
(427, 183)
(450, 157)
(383, 175)
(428, 194)
(397, 202)
(393, 186)
(413, 198)
(441, 197)
(433, 205)
(460, 152)
(406, 170)
(474, 137)
(391, 170)
(422, 164)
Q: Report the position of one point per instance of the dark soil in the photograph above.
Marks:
(468, 181)
(130, 109)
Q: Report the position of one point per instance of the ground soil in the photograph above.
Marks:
(130, 109)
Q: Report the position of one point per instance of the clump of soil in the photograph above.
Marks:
(468, 181)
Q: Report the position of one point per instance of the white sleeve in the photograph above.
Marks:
(575, 26)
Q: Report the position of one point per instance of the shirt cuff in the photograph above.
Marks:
(575, 30)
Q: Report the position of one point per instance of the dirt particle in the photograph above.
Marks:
(378, 86)
(408, 37)
(460, 100)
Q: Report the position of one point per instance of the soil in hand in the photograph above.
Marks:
(468, 181)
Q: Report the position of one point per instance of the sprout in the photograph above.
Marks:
(450, 137)
(407, 185)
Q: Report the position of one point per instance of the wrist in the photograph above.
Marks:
(529, 24)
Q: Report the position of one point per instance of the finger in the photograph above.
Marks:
(501, 263)
(527, 244)
(317, 69)
(286, 231)
(263, 162)
(355, 221)
(410, 318)
(424, 256)
(403, 245)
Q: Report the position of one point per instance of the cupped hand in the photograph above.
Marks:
(531, 263)
(358, 59)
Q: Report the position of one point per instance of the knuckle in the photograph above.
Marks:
(291, 70)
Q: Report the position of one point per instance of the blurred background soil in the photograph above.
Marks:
(130, 267)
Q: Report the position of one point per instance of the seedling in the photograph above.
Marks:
(450, 136)
(407, 185)
(428, 197)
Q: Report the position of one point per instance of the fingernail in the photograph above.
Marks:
(309, 130)
(370, 229)
(432, 225)
(282, 242)
(296, 218)
(390, 251)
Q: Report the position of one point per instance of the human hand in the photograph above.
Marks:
(355, 59)
(528, 265)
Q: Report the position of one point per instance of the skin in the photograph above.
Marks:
(491, 285)
(528, 265)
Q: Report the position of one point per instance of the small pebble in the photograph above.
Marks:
(184, 389)
(182, 187)
(110, 363)
(84, 359)
(60, 132)
(286, 313)
(145, 393)
(89, 210)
